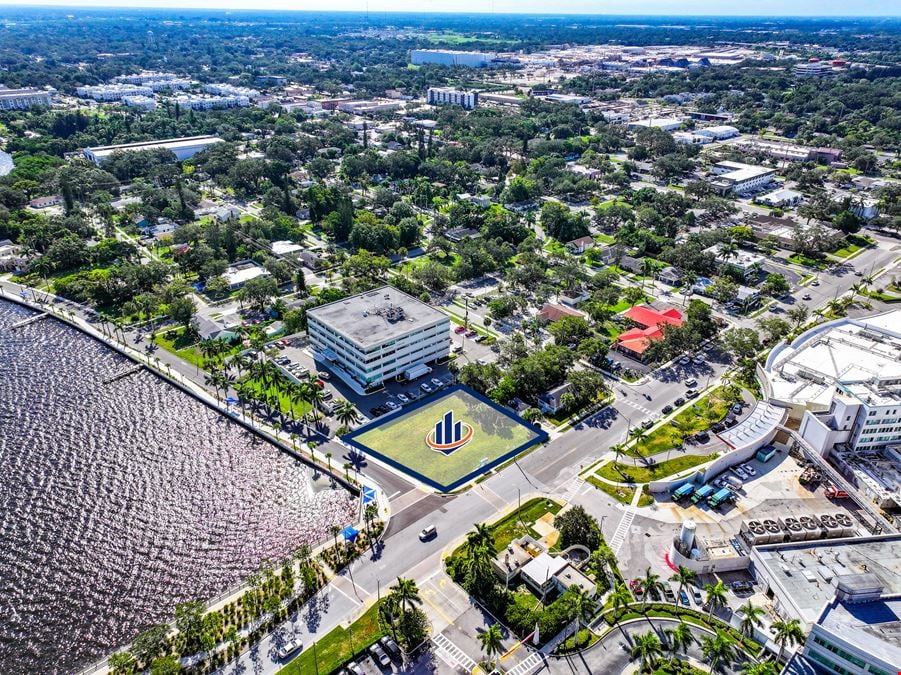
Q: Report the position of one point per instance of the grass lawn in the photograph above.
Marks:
(284, 401)
(620, 493)
(604, 238)
(642, 474)
(334, 649)
(697, 417)
(807, 261)
(573, 643)
(622, 305)
(402, 437)
(511, 527)
(181, 344)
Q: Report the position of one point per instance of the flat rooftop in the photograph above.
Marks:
(873, 626)
(858, 353)
(170, 143)
(825, 561)
(371, 318)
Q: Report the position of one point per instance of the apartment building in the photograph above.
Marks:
(22, 99)
(375, 336)
(113, 92)
(449, 96)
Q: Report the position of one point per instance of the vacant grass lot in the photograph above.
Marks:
(334, 649)
(402, 437)
(623, 473)
(512, 526)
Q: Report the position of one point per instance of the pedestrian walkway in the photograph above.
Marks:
(574, 487)
(452, 653)
(622, 530)
(637, 406)
(533, 662)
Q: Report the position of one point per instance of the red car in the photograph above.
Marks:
(320, 384)
(459, 329)
(635, 585)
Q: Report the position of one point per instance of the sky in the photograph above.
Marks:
(629, 7)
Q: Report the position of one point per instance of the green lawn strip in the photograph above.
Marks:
(509, 528)
(697, 417)
(624, 473)
(334, 649)
(604, 238)
(620, 493)
(179, 343)
(807, 261)
(460, 320)
(646, 498)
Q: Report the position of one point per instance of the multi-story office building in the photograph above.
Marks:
(378, 335)
(737, 177)
(816, 69)
(183, 148)
(447, 57)
(448, 96)
(21, 99)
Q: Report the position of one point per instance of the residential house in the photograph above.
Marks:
(46, 202)
(552, 312)
(458, 234)
(572, 298)
(209, 329)
(580, 245)
(551, 401)
(671, 276)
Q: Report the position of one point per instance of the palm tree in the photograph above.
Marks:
(407, 594)
(760, 668)
(480, 535)
(492, 640)
(347, 413)
(581, 608)
(680, 638)
(650, 584)
(683, 577)
(716, 596)
(717, 649)
(621, 597)
(638, 434)
(647, 649)
(750, 617)
(787, 633)
(388, 611)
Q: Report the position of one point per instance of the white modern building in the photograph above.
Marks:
(145, 76)
(447, 57)
(193, 102)
(737, 177)
(141, 102)
(231, 90)
(816, 69)
(183, 148)
(113, 92)
(378, 335)
(21, 99)
(689, 138)
(718, 133)
(665, 123)
(448, 96)
(242, 271)
(780, 198)
(842, 380)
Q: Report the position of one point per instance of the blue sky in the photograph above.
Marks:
(631, 7)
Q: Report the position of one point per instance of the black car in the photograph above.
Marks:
(679, 401)
(667, 409)
(390, 646)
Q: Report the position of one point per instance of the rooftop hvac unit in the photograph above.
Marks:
(832, 528)
(793, 528)
(811, 526)
(774, 529)
(844, 521)
(755, 533)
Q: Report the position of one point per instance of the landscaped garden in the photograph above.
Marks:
(624, 473)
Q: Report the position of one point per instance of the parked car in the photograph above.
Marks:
(355, 668)
(289, 648)
(635, 586)
(379, 655)
(736, 409)
(460, 329)
(691, 383)
(482, 362)
(750, 470)
(685, 360)
(806, 296)
(738, 472)
(667, 409)
(428, 533)
(696, 593)
(679, 401)
(390, 646)
(438, 383)
(691, 393)
(471, 333)
(403, 398)
(683, 598)
(815, 282)
(322, 375)
(391, 405)
(647, 424)
(668, 592)
(698, 359)
(426, 387)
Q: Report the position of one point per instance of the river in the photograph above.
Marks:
(121, 499)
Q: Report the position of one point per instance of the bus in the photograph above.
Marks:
(702, 493)
(683, 491)
(720, 497)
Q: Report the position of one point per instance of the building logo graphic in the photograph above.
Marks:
(449, 435)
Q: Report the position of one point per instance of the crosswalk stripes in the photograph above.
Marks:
(527, 665)
(574, 487)
(636, 406)
(622, 529)
(456, 655)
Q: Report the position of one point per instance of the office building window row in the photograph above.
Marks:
(850, 658)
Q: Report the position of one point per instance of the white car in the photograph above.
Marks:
(289, 648)
(391, 405)
(738, 472)
(748, 469)
(426, 387)
(438, 383)
(403, 398)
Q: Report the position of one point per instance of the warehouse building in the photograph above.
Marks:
(378, 335)
(447, 57)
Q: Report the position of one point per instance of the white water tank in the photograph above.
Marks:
(687, 535)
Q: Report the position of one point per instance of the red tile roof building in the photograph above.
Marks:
(551, 312)
(650, 325)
